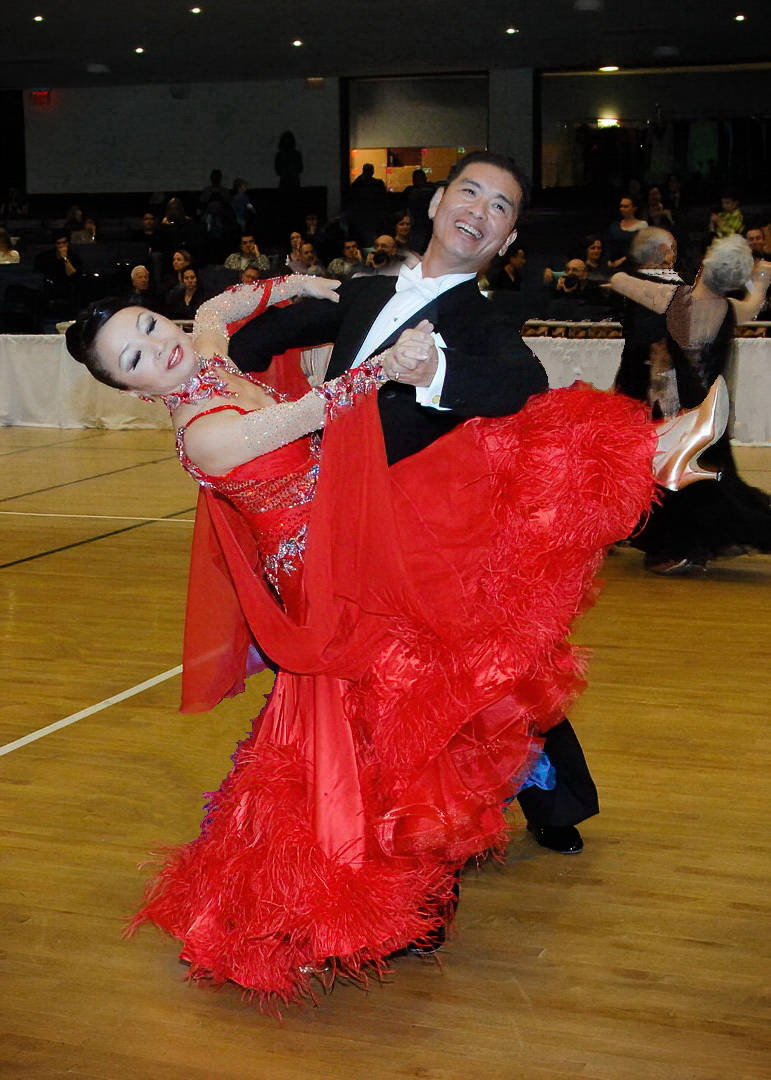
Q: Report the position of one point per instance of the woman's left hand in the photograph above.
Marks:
(321, 288)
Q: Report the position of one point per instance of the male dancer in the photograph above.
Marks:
(454, 356)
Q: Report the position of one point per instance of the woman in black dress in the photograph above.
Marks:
(704, 521)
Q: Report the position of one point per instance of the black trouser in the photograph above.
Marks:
(574, 796)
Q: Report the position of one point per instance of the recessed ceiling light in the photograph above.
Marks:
(38, 18)
(511, 30)
(139, 49)
(297, 43)
(738, 18)
(609, 67)
(195, 11)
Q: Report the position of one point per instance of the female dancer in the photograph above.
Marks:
(409, 687)
(691, 527)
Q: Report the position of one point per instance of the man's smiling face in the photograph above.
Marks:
(474, 217)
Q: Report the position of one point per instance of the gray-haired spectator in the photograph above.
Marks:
(142, 293)
(654, 249)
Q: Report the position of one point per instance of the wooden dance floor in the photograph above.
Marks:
(644, 958)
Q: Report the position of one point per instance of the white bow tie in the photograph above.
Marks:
(410, 277)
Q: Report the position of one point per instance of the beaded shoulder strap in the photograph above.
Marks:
(189, 466)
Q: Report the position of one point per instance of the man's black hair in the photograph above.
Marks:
(501, 161)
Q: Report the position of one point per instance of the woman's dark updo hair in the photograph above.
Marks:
(81, 334)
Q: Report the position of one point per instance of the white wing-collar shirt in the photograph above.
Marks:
(413, 292)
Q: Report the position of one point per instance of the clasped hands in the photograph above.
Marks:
(414, 358)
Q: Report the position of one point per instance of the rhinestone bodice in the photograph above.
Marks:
(272, 494)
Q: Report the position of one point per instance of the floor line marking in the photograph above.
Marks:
(33, 736)
(85, 479)
(88, 540)
(94, 517)
(73, 443)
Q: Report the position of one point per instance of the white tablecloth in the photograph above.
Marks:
(41, 386)
(596, 361)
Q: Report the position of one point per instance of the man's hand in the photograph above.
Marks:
(414, 359)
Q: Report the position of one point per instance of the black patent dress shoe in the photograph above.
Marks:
(565, 839)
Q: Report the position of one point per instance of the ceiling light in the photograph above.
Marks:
(297, 43)
(139, 49)
(38, 18)
(512, 30)
(195, 11)
(609, 67)
(738, 18)
(607, 121)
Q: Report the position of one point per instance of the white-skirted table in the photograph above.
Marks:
(41, 386)
(596, 361)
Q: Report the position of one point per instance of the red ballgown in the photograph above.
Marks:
(421, 644)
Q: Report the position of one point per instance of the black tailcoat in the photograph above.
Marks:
(490, 371)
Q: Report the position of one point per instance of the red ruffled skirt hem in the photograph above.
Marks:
(335, 838)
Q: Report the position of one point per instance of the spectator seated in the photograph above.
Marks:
(348, 262)
(248, 255)
(22, 300)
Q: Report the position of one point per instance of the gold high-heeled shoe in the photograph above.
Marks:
(682, 439)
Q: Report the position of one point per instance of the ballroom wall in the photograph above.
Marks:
(166, 138)
(437, 111)
(694, 123)
(511, 115)
(672, 95)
